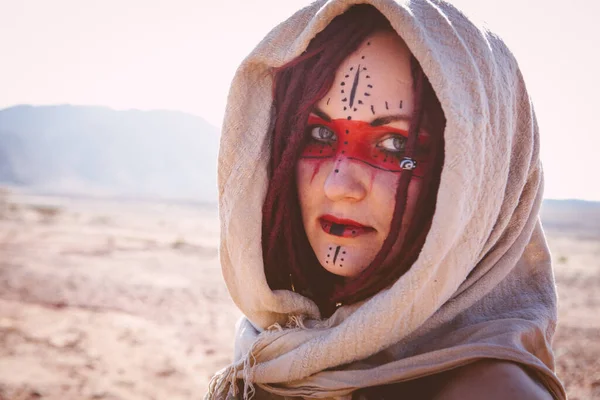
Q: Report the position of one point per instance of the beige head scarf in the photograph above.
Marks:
(482, 286)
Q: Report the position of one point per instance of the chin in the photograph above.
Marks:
(342, 256)
(346, 273)
(347, 269)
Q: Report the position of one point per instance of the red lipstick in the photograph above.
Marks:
(341, 221)
(343, 227)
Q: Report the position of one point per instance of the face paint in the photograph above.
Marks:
(336, 255)
(343, 227)
(379, 147)
(350, 165)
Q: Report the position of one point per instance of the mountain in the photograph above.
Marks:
(577, 218)
(80, 150)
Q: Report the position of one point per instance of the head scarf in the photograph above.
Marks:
(482, 286)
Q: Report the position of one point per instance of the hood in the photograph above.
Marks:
(482, 286)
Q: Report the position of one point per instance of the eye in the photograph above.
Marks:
(322, 134)
(394, 144)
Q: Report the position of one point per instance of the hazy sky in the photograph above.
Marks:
(182, 54)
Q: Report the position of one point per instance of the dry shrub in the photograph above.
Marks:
(179, 244)
(47, 213)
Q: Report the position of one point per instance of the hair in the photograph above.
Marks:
(290, 262)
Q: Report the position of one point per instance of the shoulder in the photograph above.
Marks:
(490, 379)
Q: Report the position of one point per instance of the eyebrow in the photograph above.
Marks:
(389, 119)
(321, 114)
(376, 122)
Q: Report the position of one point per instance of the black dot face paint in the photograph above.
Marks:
(354, 79)
(335, 254)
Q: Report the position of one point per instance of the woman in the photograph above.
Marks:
(379, 185)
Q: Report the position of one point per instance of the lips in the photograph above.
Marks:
(343, 227)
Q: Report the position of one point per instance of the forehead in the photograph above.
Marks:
(374, 81)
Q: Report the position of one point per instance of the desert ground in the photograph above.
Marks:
(104, 299)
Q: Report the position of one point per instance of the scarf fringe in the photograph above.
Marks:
(296, 322)
(293, 322)
(223, 385)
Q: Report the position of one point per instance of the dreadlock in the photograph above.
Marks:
(289, 260)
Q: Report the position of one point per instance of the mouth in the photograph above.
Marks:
(343, 227)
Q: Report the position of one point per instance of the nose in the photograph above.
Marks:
(346, 181)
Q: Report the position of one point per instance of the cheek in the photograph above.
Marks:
(383, 195)
(306, 171)
(305, 174)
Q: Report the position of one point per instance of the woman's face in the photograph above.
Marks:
(348, 174)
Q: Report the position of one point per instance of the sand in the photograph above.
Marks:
(124, 300)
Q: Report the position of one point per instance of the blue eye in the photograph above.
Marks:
(393, 144)
(322, 134)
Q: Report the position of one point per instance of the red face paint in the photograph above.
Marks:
(360, 141)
